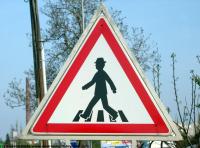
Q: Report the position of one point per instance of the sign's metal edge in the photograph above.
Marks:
(29, 134)
(102, 137)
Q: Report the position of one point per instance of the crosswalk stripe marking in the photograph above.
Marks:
(100, 117)
(123, 117)
(77, 117)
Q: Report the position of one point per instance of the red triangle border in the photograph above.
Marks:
(42, 125)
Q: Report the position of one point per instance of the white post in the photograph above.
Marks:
(44, 81)
(44, 72)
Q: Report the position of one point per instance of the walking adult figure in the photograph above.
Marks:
(100, 78)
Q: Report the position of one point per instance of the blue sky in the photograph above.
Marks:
(174, 25)
(15, 57)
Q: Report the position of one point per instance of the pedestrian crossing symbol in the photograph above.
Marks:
(101, 90)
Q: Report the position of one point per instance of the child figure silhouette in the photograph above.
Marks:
(100, 79)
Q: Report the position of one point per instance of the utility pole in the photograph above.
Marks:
(40, 79)
(37, 50)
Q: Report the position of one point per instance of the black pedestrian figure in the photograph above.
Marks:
(100, 79)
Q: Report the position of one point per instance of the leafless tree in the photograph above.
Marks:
(64, 27)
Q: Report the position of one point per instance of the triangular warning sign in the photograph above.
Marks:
(101, 90)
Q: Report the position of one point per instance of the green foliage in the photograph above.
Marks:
(22, 142)
(96, 143)
(7, 141)
(197, 80)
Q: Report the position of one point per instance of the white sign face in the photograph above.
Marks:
(125, 99)
(101, 91)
